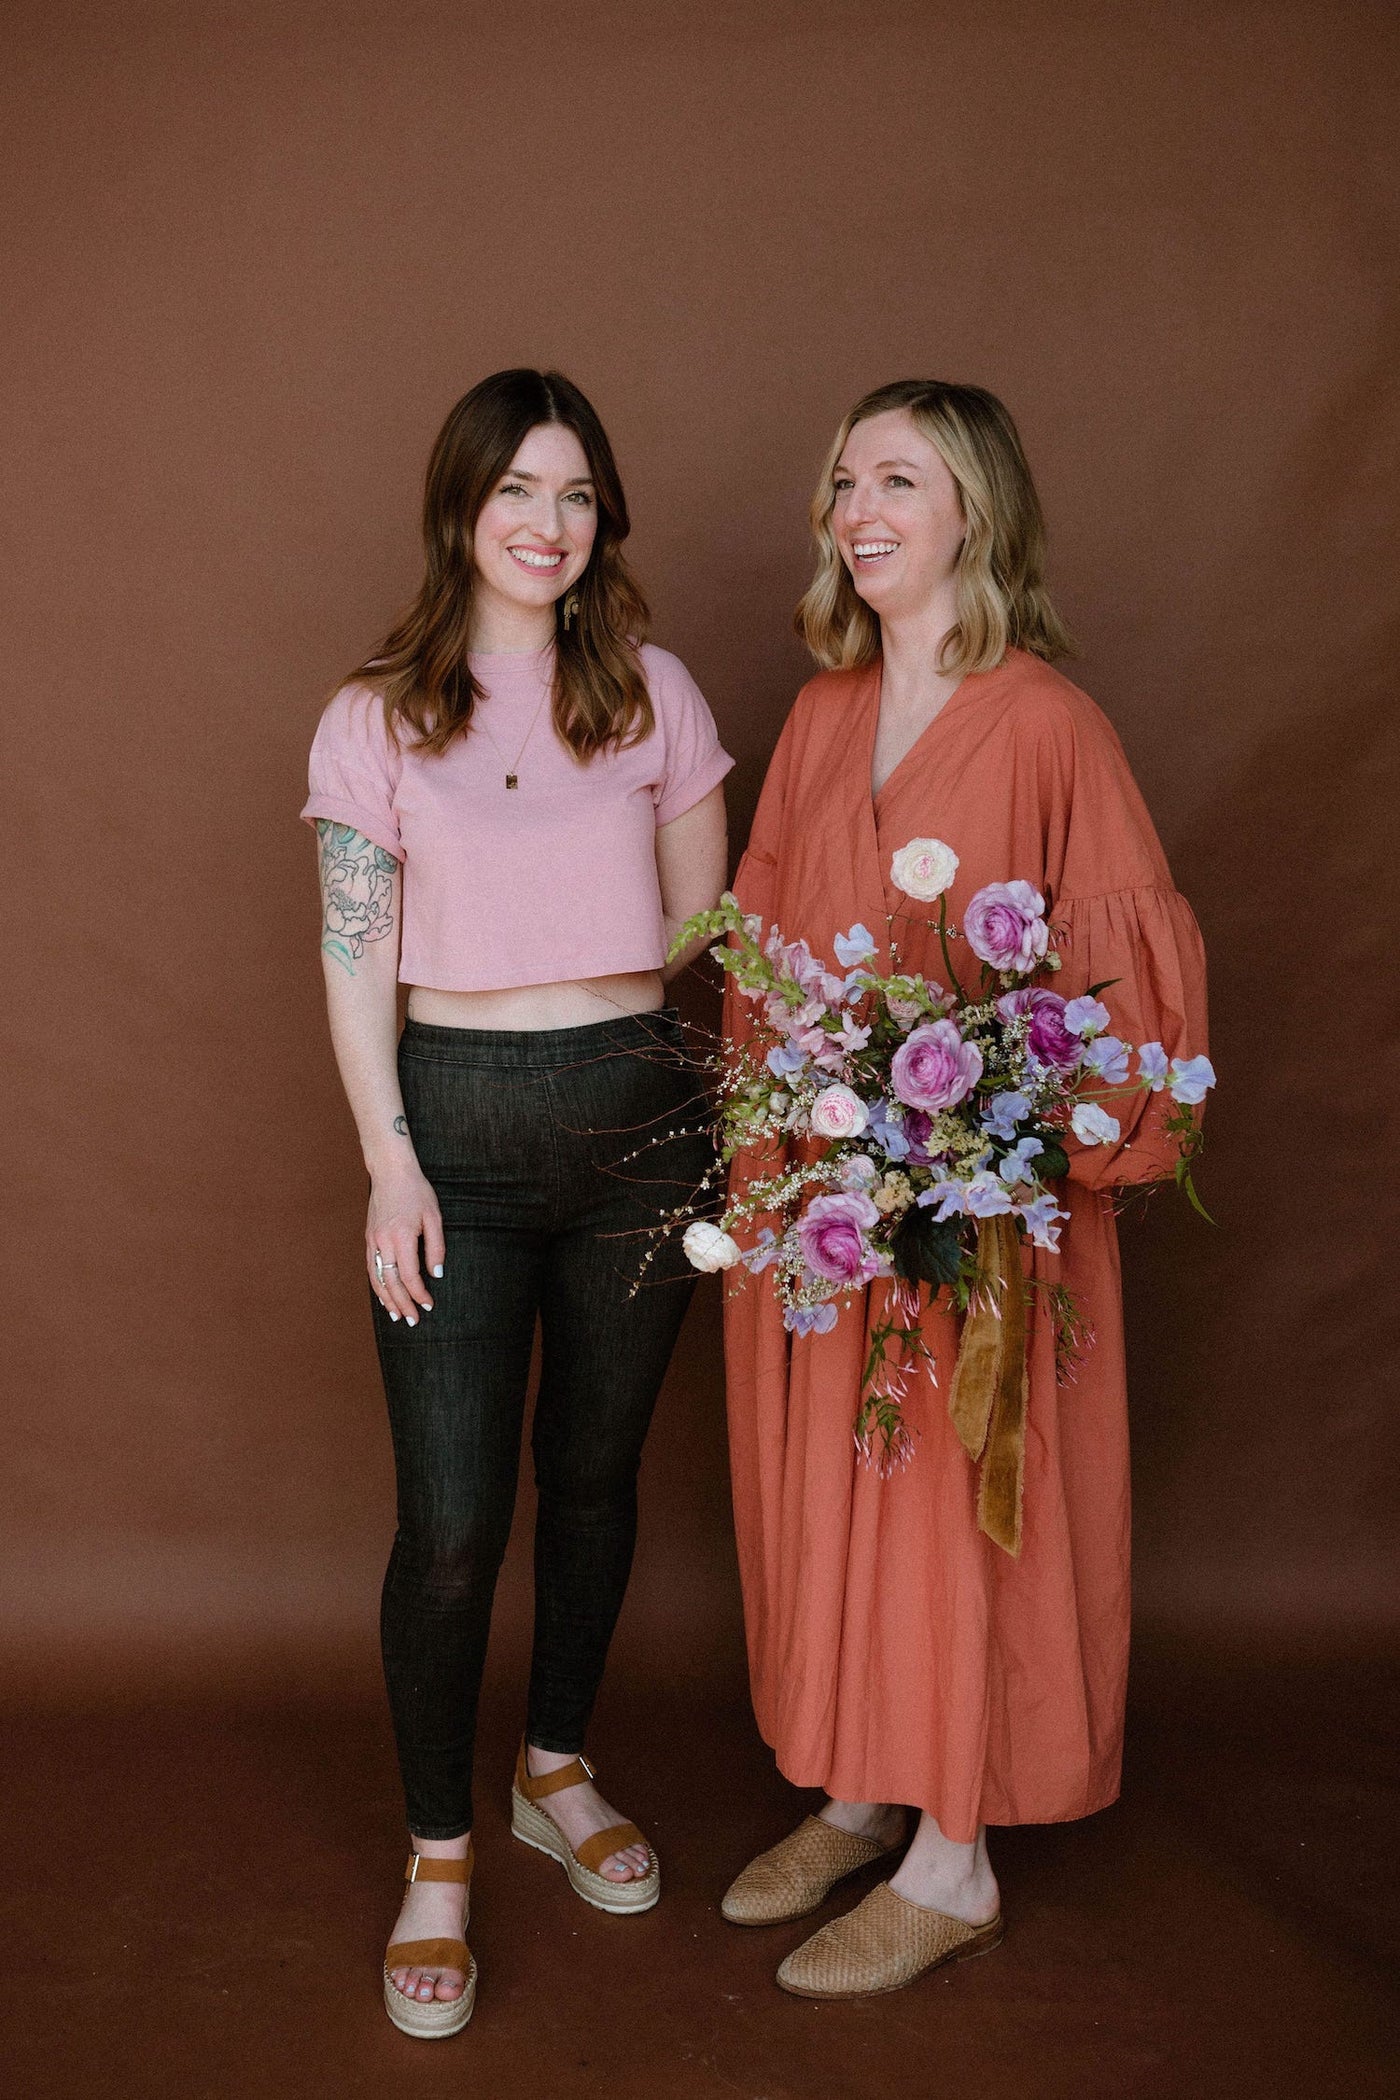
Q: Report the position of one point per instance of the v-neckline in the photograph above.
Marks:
(875, 796)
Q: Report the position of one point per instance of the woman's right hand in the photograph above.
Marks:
(403, 1211)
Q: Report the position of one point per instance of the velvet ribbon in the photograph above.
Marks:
(988, 1397)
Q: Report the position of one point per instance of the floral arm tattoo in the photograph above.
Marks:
(357, 892)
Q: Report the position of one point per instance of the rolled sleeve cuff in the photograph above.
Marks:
(364, 820)
(694, 787)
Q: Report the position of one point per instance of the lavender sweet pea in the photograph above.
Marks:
(1107, 1056)
(831, 1236)
(1152, 1067)
(854, 947)
(1086, 1016)
(1004, 926)
(934, 1068)
(1191, 1079)
(1003, 1112)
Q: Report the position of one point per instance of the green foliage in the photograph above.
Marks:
(925, 1251)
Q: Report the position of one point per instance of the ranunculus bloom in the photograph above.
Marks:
(838, 1113)
(924, 869)
(934, 1068)
(708, 1247)
(1047, 1037)
(831, 1236)
(1004, 925)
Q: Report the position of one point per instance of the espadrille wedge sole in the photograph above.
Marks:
(534, 1827)
(432, 2019)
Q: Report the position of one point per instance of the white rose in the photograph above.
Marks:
(838, 1113)
(1093, 1125)
(924, 869)
(708, 1247)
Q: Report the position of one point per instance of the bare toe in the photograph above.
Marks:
(448, 1987)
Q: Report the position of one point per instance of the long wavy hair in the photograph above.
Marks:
(600, 692)
(1002, 602)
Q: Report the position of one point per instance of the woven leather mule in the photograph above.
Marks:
(881, 1945)
(797, 1875)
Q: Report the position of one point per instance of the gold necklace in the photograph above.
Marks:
(513, 771)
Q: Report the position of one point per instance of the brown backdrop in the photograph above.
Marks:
(253, 254)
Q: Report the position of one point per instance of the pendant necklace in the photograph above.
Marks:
(513, 771)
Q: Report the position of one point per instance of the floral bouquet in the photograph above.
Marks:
(917, 1133)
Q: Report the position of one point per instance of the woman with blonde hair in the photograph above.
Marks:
(901, 1660)
(518, 800)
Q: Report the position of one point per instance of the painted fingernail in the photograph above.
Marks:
(410, 1319)
(438, 1269)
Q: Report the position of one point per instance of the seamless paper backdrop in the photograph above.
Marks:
(252, 255)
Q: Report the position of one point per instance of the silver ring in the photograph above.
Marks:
(380, 1265)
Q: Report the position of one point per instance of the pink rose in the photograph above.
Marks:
(1047, 1038)
(934, 1068)
(838, 1113)
(1005, 926)
(831, 1236)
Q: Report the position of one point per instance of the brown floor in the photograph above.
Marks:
(199, 1897)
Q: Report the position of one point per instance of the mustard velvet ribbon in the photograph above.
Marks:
(988, 1397)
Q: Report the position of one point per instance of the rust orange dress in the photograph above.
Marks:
(897, 1654)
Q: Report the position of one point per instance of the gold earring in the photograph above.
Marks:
(570, 608)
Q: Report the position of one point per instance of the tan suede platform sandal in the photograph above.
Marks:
(534, 1827)
(795, 1876)
(881, 1945)
(432, 2018)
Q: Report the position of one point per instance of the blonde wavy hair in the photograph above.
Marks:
(1002, 602)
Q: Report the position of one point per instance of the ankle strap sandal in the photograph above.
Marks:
(433, 2018)
(533, 1826)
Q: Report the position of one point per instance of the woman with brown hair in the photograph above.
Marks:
(518, 800)
(899, 1658)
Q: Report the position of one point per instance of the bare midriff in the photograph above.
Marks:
(571, 1003)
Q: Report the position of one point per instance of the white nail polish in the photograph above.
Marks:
(393, 1316)
(438, 1270)
(410, 1319)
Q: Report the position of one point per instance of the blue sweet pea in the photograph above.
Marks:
(1085, 1016)
(1152, 1066)
(1016, 1165)
(809, 1319)
(1003, 1113)
(1108, 1057)
(888, 1136)
(1191, 1079)
(985, 1196)
(854, 947)
(784, 1058)
(949, 1196)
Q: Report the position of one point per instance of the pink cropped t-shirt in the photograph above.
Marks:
(550, 880)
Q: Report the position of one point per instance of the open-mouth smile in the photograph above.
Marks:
(535, 558)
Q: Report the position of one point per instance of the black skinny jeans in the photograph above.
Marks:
(523, 1135)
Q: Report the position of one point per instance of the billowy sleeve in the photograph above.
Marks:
(1146, 941)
